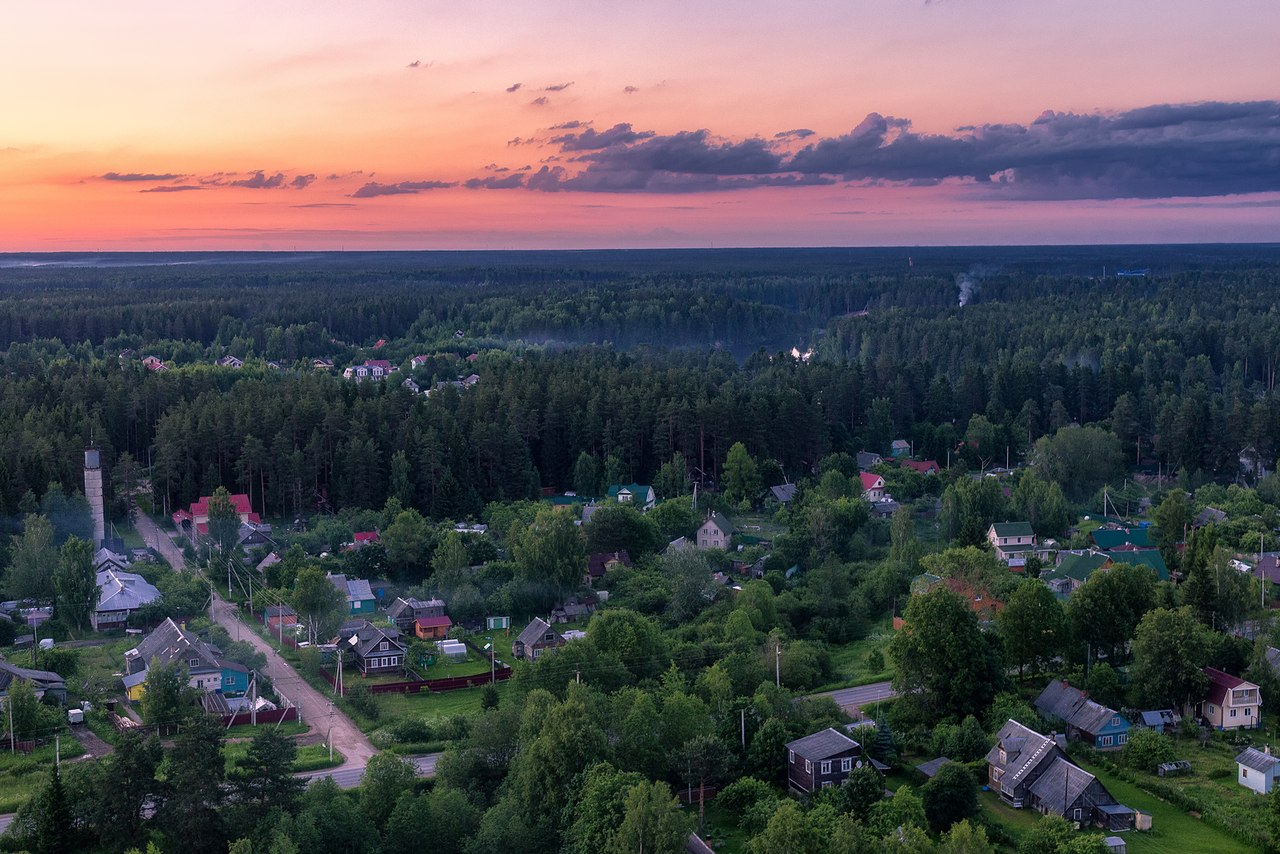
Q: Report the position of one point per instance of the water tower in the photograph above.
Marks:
(93, 492)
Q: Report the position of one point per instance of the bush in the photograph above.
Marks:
(744, 793)
(1147, 749)
(364, 701)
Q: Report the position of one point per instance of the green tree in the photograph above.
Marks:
(1172, 517)
(741, 475)
(586, 475)
(75, 583)
(651, 821)
(1146, 749)
(167, 697)
(943, 662)
(705, 761)
(32, 560)
(318, 600)
(788, 832)
(1033, 626)
(1104, 612)
(1170, 650)
(194, 791)
(126, 478)
(263, 779)
(1080, 459)
(224, 521)
(128, 787)
(408, 542)
(550, 553)
(674, 518)
(965, 838)
(951, 796)
(672, 480)
(620, 527)
(386, 777)
(450, 563)
(54, 831)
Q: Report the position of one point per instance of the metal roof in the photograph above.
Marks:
(822, 745)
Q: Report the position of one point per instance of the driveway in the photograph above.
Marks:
(313, 706)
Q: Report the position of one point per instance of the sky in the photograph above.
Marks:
(415, 124)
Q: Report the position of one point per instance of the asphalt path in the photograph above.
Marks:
(853, 699)
(348, 776)
(314, 707)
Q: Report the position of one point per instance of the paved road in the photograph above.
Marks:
(312, 704)
(348, 776)
(853, 699)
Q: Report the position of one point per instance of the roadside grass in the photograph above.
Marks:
(248, 731)
(722, 832)
(312, 757)
(430, 706)
(22, 774)
(849, 663)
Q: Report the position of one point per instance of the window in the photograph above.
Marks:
(1244, 772)
(825, 767)
(1248, 712)
(1233, 713)
(1122, 738)
(384, 645)
(826, 784)
(1076, 814)
(1104, 741)
(808, 767)
(791, 756)
(846, 764)
(195, 662)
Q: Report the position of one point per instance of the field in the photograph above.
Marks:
(849, 661)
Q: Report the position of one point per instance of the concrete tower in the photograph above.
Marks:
(93, 492)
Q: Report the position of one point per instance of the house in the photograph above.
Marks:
(1093, 723)
(360, 539)
(275, 617)
(715, 532)
(153, 363)
(784, 493)
(884, 508)
(1115, 536)
(1030, 770)
(867, 460)
(1135, 556)
(572, 610)
(981, 602)
(359, 596)
(1012, 541)
(1074, 570)
(899, 448)
(43, 682)
(872, 486)
(1164, 721)
(173, 644)
(931, 768)
(601, 562)
(119, 595)
(1208, 516)
(537, 638)
(105, 558)
(1230, 702)
(252, 535)
(194, 521)
(322, 364)
(377, 649)
(432, 628)
(419, 361)
(821, 760)
(404, 612)
(231, 362)
(921, 466)
(269, 561)
(372, 369)
(640, 496)
(1257, 770)
(411, 385)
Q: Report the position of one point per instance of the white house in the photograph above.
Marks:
(715, 532)
(1257, 770)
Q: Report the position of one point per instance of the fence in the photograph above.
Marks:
(262, 717)
(122, 723)
(416, 686)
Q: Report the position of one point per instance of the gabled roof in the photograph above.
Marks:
(355, 589)
(1024, 750)
(1060, 700)
(170, 643)
(637, 490)
(1220, 683)
(1013, 529)
(1257, 760)
(366, 637)
(1080, 567)
(922, 466)
(535, 631)
(1158, 717)
(867, 459)
(599, 562)
(784, 492)
(721, 521)
(104, 557)
(279, 611)
(1142, 557)
(410, 605)
(123, 591)
(1109, 538)
(1273, 659)
(871, 480)
(822, 745)
(930, 769)
(41, 680)
(433, 622)
(1208, 516)
(1061, 784)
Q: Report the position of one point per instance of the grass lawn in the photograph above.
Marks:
(22, 774)
(289, 728)
(849, 661)
(1172, 830)
(312, 757)
(721, 832)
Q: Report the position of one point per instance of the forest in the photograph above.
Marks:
(1069, 386)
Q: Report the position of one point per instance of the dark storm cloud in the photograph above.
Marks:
(139, 176)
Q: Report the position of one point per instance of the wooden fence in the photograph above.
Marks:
(417, 686)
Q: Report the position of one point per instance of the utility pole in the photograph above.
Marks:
(777, 665)
(330, 736)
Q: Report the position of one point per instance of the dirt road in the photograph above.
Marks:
(313, 706)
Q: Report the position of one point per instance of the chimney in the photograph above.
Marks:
(93, 494)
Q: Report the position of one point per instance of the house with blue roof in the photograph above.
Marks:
(1093, 723)
(359, 596)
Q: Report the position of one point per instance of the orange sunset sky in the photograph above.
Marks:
(421, 125)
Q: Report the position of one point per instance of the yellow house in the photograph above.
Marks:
(1230, 703)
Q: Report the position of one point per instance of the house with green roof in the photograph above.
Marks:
(1141, 557)
(1073, 571)
(1014, 542)
(1114, 537)
(638, 495)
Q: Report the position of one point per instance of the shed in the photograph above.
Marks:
(930, 769)
(1257, 769)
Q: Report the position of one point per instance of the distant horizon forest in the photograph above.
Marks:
(602, 367)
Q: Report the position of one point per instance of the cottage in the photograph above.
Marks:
(868, 460)
(638, 495)
(432, 628)
(404, 612)
(1163, 721)
(1030, 770)
(821, 760)
(1012, 541)
(715, 532)
(372, 369)
(173, 644)
(153, 363)
(1230, 703)
(783, 493)
(601, 562)
(1257, 770)
(359, 597)
(276, 617)
(229, 361)
(43, 682)
(1093, 723)
(922, 466)
(377, 649)
(537, 638)
(194, 521)
(899, 448)
(872, 486)
(1073, 570)
(105, 558)
(119, 595)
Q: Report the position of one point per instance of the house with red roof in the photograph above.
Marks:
(922, 466)
(872, 486)
(194, 521)
(432, 628)
(1230, 702)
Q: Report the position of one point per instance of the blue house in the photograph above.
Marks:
(1093, 723)
(235, 677)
